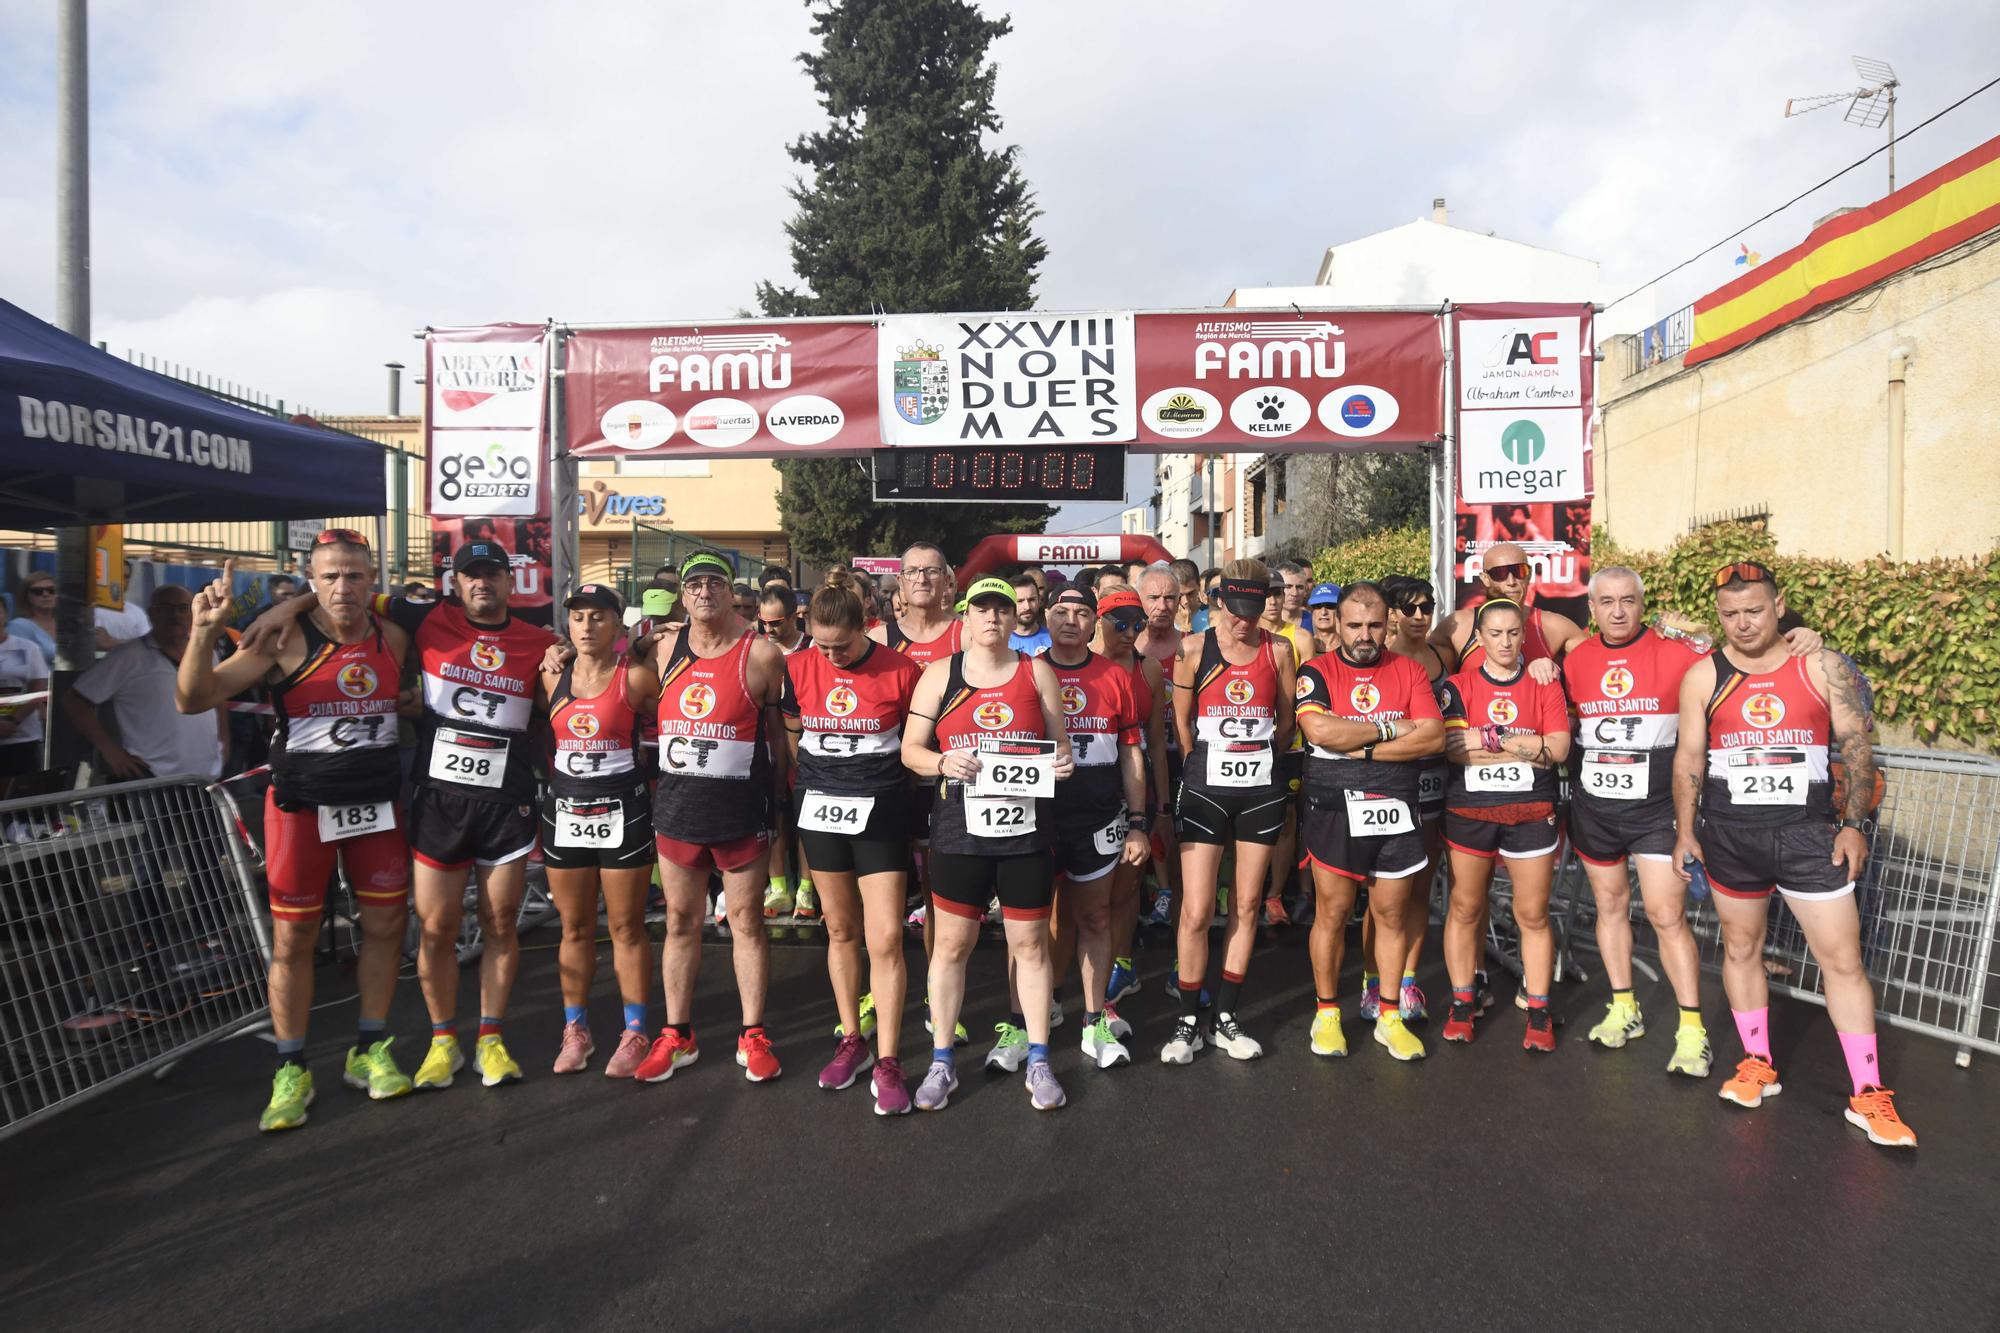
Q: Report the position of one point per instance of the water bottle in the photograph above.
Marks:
(1698, 640)
(1697, 879)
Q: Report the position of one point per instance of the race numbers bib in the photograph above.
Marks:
(1020, 769)
(1430, 786)
(469, 759)
(1240, 765)
(1616, 775)
(1771, 776)
(1110, 839)
(1371, 816)
(1512, 776)
(821, 813)
(352, 821)
(590, 822)
(999, 816)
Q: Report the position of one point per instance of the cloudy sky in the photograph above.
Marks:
(281, 193)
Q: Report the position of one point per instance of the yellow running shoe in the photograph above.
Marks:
(1691, 1053)
(1622, 1022)
(1393, 1035)
(440, 1062)
(492, 1063)
(291, 1094)
(1327, 1038)
(374, 1071)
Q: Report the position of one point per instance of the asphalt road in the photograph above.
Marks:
(1479, 1189)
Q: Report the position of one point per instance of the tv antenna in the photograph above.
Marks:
(1870, 106)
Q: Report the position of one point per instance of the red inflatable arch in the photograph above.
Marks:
(1035, 548)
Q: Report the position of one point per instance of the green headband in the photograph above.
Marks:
(706, 562)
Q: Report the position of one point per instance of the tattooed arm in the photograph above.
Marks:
(1857, 755)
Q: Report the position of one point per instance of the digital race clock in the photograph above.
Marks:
(1049, 472)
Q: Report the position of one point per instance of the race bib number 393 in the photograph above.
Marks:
(468, 759)
(1616, 775)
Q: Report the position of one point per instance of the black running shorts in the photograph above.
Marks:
(1606, 832)
(1080, 849)
(1517, 842)
(1330, 843)
(452, 831)
(1748, 861)
(1219, 815)
(879, 847)
(964, 884)
(630, 812)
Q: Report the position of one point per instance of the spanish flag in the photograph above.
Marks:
(1926, 217)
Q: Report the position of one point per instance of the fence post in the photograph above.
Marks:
(1982, 953)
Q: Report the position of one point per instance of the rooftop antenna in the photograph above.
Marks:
(1870, 106)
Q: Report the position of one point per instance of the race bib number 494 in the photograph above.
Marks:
(821, 813)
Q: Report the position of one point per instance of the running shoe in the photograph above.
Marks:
(1010, 1050)
(1327, 1038)
(850, 1056)
(1541, 1031)
(1521, 1000)
(577, 1048)
(753, 1053)
(1231, 1039)
(940, 1081)
(631, 1052)
(291, 1094)
(1162, 912)
(670, 1053)
(1753, 1081)
(1395, 1037)
(1458, 1022)
(1101, 1044)
(867, 1023)
(993, 911)
(805, 903)
(1482, 987)
(778, 900)
(1622, 1023)
(1691, 1053)
(492, 1063)
(1124, 981)
(1119, 1027)
(1873, 1109)
(1043, 1089)
(374, 1071)
(1371, 999)
(1186, 1040)
(892, 1096)
(1055, 1014)
(441, 1061)
(1412, 1007)
(959, 1036)
(1275, 913)
(915, 920)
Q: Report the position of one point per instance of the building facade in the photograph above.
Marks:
(637, 513)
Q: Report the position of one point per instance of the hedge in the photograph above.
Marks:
(1376, 556)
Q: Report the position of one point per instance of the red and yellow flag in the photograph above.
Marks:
(1928, 216)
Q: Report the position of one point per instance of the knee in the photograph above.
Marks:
(1094, 917)
(497, 929)
(840, 930)
(1666, 919)
(441, 927)
(1467, 908)
(1841, 960)
(294, 941)
(746, 917)
(1531, 916)
(683, 921)
(580, 929)
(628, 932)
(885, 947)
(1740, 946)
(382, 927)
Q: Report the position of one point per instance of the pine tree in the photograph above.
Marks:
(906, 210)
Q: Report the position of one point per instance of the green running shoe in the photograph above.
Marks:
(291, 1094)
(1010, 1051)
(867, 1023)
(374, 1071)
(1691, 1053)
(1622, 1023)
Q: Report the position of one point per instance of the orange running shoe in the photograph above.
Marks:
(1874, 1110)
(1753, 1081)
(753, 1052)
(1275, 913)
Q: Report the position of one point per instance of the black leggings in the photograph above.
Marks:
(963, 885)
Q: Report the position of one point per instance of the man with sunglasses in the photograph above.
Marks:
(1754, 804)
(1504, 572)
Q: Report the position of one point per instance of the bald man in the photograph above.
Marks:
(1504, 571)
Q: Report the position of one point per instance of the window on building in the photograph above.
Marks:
(1253, 516)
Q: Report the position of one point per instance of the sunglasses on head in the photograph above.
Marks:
(347, 535)
(1519, 570)
(1743, 571)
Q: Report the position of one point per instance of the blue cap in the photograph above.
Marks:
(1324, 594)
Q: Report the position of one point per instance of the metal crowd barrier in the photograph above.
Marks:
(1928, 902)
(130, 935)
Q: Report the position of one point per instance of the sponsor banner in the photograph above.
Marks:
(1311, 380)
(1510, 364)
(1556, 538)
(1519, 456)
(1038, 550)
(475, 472)
(877, 564)
(488, 378)
(527, 541)
(1007, 379)
(755, 390)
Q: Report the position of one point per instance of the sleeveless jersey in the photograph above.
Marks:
(1010, 711)
(1166, 665)
(1235, 709)
(336, 736)
(1142, 696)
(851, 719)
(1519, 707)
(1393, 688)
(1534, 644)
(1769, 737)
(479, 699)
(595, 741)
(1627, 699)
(1100, 713)
(715, 769)
(923, 654)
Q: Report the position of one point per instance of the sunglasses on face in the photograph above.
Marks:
(1503, 572)
(1125, 624)
(1742, 571)
(42, 590)
(1417, 608)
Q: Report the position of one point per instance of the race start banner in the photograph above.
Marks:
(1525, 375)
(485, 451)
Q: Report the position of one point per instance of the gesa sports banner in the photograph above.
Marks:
(1006, 379)
(758, 390)
(1525, 375)
(1313, 380)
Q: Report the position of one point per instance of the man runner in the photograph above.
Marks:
(1758, 726)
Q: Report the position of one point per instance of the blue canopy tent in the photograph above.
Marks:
(88, 438)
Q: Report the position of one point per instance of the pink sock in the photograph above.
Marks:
(1754, 1027)
(1862, 1067)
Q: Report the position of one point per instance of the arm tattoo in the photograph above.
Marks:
(1850, 730)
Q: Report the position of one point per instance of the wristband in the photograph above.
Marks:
(1854, 824)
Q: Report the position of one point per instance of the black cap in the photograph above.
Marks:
(1075, 596)
(597, 595)
(485, 551)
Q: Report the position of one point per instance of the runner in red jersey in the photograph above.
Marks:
(995, 843)
(1099, 825)
(597, 823)
(1505, 573)
(1753, 798)
(1233, 688)
(1370, 718)
(335, 784)
(1505, 735)
(844, 718)
(1159, 641)
(1120, 620)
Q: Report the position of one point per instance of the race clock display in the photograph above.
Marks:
(1049, 472)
